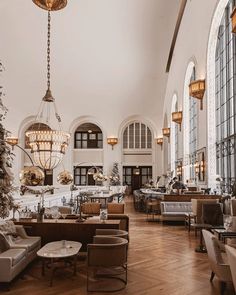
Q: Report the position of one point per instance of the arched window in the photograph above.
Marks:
(137, 136)
(193, 122)
(174, 136)
(88, 136)
(225, 106)
(190, 123)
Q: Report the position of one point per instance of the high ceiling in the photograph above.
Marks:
(105, 53)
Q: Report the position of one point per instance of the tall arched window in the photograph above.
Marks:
(193, 115)
(225, 106)
(174, 136)
(189, 126)
(137, 136)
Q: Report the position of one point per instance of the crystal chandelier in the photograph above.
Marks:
(48, 146)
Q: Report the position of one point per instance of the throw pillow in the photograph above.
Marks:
(4, 245)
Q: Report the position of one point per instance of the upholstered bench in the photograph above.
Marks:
(175, 211)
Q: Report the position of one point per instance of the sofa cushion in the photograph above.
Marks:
(4, 245)
(174, 214)
(8, 227)
(177, 207)
(30, 243)
(16, 255)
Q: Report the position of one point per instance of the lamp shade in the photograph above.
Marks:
(197, 90)
(160, 140)
(51, 4)
(177, 117)
(48, 147)
(166, 132)
(12, 140)
(233, 20)
(112, 141)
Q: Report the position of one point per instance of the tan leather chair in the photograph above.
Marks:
(107, 264)
(197, 207)
(113, 233)
(233, 207)
(91, 208)
(115, 208)
(218, 260)
(65, 210)
(231, 254)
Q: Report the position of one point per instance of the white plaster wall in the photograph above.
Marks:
(191, 45)
(108, 63)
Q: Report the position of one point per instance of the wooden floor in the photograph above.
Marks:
(162, 261)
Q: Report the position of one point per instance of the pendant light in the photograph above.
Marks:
(48, 146)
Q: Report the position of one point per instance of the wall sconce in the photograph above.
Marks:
(166, 132)
(197, 90)
(202, 166)
(179, 171)
(177, 117)
(12, 141)
(112, 141)
(160, 141)
(197, 168)
(233, 20)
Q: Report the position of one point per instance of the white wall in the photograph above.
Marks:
(191, 45)
(108, 62)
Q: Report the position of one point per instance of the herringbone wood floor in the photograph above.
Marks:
(162, 261)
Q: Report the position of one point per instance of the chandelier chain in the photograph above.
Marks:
(48, 49)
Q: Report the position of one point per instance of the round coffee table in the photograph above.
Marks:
(57, 252)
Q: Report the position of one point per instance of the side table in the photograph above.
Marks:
(56, 251)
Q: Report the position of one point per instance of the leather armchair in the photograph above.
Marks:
(217, 259)
(107, 259)
(231, 254)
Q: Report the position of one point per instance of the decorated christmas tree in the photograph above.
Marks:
(6, 158)
(115, 177)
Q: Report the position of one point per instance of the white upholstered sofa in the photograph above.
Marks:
(175, 211)
(17, 250)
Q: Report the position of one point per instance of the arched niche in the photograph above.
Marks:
(136, 135)
(88, 136)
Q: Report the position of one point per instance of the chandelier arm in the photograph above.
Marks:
(57, 115)
(31, 160)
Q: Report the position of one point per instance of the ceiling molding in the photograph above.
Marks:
(177, 26)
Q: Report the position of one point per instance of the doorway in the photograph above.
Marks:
(136, 177)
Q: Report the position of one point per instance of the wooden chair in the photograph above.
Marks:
(91, 208)
(115, 208)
